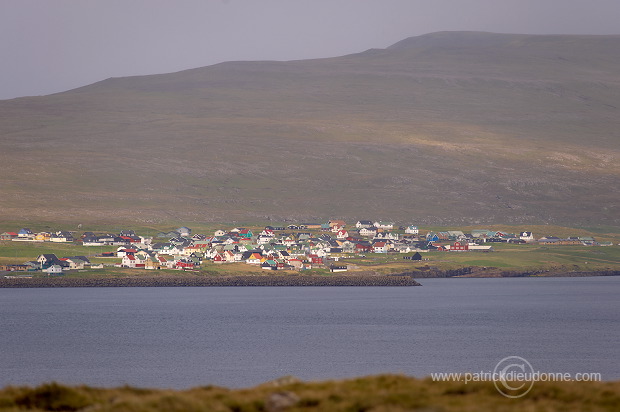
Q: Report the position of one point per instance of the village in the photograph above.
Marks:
(295, 247)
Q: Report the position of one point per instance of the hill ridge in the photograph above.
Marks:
(522, 133)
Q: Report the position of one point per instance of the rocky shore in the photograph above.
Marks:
(368, 278)
(198, 281)
(493, 272)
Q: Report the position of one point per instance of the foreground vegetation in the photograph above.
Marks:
(376, 393)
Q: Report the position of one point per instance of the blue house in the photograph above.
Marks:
(25, 232)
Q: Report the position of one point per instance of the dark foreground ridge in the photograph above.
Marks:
(59, 282)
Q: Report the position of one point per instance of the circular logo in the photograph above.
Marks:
(513, 377)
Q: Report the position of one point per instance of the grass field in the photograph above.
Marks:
(386, 393)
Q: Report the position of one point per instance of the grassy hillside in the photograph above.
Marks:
(442, 128)
(378, 393)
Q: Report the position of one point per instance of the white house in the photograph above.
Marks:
(76, 263)
(384, 225)
(402, 248)
(263, 240)
(92, 242)
(25, 233)
(53, 270)
(475, 246)
(254, 259)
(184, 231)
(368, 231)
(61, 237)
(380, 247)
(527, 236)
(412, 230)
(129, 261)
(386, 235)
(363, 223)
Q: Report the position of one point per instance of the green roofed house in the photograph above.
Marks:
(455, 235)
(269, 265)
(479, 233)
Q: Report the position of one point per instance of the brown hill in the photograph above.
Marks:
(444, 128)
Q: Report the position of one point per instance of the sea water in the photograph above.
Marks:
(242, 336)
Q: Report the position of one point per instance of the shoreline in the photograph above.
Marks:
(219, 281)
(493, 272)
(358, 280)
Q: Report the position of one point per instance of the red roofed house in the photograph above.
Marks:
(339, 223)
(380, 247)
(184, 265)
(459, 247)
(8, 236)
(122, 252)
(296, 264)
(315, 259)
(362, 248)
(129, 261)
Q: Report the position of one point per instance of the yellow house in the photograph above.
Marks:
(42, 237)
(152, 264)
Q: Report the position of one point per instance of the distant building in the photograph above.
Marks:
(364, 224)
(184, 231)
(25, 232)
(412, 230)
(53, 270)
(527, 236)
(384, 225)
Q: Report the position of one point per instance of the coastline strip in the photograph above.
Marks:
(204, 281)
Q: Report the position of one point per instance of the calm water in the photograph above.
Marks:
(183, 337)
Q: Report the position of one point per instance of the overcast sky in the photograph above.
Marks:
(48, 46)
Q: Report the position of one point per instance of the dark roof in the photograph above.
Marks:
(84, 258)
(49, 256)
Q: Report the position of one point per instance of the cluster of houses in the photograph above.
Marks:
(26, 235)
(52, 265)
(294, 247)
